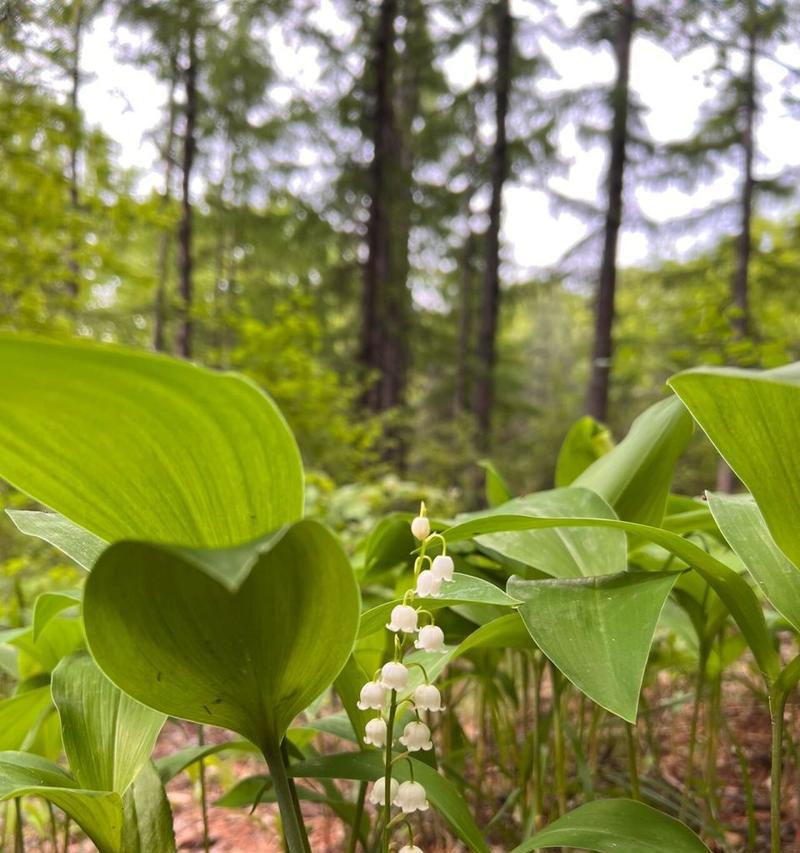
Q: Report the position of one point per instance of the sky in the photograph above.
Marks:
(126, 102)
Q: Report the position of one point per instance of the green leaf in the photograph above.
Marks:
(108, 737)
(348, 685)
(561, 552)
(732, 589)
(507, 632)
(597, 631)
(147, 815)
(243, 638)
(71, 539)
(61, 636)
(636, 475)
(745, 530)
(98, 813)
(169, 766)
(616, 826)
(20, 716)
(134, 445)
(463, 589)
(368, 766)
(496, 488)
(48, 605)
(586, 441)
(389, 543)
(751, 418)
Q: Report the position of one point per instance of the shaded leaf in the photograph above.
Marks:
(586, 441)
(147, 815)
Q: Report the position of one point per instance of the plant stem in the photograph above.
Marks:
(203, 793)
(53, 826)
(387, 806)
(777, 702)
(630, 730)
(558, 746)
(293, 830)
(356, 830)
(66, 833)
(698, 701)
(19, 837)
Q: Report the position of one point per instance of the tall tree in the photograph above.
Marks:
(490, 300)
(624, 16)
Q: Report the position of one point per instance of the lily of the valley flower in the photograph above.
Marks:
(442, 567)
(373, 696)
(416, 736)
(411, 848)
(421, 528)
(428, 584)
(430, 639)
(375, 732)
(394, 676)
(404, 618)
(377, 796)
(411, 797)
(428, 698)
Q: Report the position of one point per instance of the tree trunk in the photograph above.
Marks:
(183, 337)
(490, 303)
(160, 302)
(465, 312)
(74, 144)
(602, 350)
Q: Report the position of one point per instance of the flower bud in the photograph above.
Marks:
(411, 797)
(404, 618)
(442, 567)
(428, 585)
(377, 796)
(394, 676)
(428, 698)
(416, 736)
(375, 732)
(430, 639)
(373, 695)
(421, 527)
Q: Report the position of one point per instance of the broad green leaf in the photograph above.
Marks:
(752, 418)
(147, 815)
(586, 441)
(744, 528)
(368, 766)
(507, 632)
(616, 826)
(108, 737)
(562, 552)
(139, 446)
(463, 589)
(496, 488)
(48, 605)
(244, 638)
(636, 475)
(20, 715)
(732, 589)
(389, 543)
(98, 813)
(597, 631)
(78, 544)
(169, 766)
(61, 636)
(348, 685)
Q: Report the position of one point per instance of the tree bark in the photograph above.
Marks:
(490, 303)
(184, 333)
(602, 350)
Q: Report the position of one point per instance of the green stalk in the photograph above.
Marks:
(66, 833)
(19, 837)
(777, 702)
(632, 764)
(698, 701)
(558, 747)
(293, 830)
(356, 829)
(387, 806)
(203, 793)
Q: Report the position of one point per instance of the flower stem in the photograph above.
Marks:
(19, 835)
(777, 702)
(633, 768)
(293, 830)
(387, 805)
(203, 793)
(355, 833)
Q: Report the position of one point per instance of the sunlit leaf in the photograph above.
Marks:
(78, 544)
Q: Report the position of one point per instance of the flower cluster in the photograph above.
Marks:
(381, 694)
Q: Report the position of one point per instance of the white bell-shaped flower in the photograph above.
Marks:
(430, 639)
(411, 848)
(377, 796)
(421, 527)
(375, 732)
(411, 797)
(394, 676)
(416, 736)
(428, 585)
(373, 696)
(442, 567)
(428, 698)
(404, 618)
